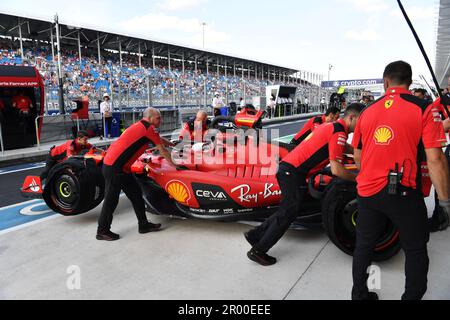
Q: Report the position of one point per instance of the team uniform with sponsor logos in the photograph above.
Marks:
(191, 133)
(394, 133)
(117, 172)
(436, 219)
(326, 144)
(309, 128)
(62, 153)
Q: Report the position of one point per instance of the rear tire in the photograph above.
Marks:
(74, 187)
(339, 212)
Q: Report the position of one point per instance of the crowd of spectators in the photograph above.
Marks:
(90, 78)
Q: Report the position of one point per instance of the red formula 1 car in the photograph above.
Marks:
(231, 177)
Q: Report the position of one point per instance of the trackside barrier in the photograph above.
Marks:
(54, 128)
(63, 127)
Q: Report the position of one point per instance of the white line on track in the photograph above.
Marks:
(20, 170)
(20, 204)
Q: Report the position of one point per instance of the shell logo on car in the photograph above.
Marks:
(178, 191)
(383, 135)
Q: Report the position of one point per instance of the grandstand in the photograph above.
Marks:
(137, 72)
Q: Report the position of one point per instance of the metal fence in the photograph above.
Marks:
(64, 127)
(183, 91)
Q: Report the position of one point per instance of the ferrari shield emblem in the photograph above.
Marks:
(388, 104)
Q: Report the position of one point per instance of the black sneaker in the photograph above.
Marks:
(108, 236)
(261, 258)
(439, 221)
(252, 240)
(149, 227)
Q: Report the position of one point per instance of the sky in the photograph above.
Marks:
(358, 37)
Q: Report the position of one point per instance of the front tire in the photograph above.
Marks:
(74, 187)
(340, 212)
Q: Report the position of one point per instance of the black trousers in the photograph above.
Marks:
(409, 214)
(107, 126)
(293, 188)
(115, 182)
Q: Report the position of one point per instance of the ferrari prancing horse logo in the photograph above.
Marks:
(388, 104)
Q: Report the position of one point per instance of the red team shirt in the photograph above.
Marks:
(70, 148)
(190, 133)
(395, 130)
(327, 143)
(309, 128)
(131, 145)
(22, 103)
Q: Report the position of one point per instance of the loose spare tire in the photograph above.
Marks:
(74, 187)
(339, 213)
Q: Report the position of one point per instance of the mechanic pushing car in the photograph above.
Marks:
(117, 172)
(393, 139)
(65, 151)
(331, 115)
(440, 219)
(326, 145)
(195, 130)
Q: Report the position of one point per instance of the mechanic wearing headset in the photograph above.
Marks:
(331, 115)
(65, 151)
(117, 172)
(194, 130)
(324, 146)
(394, 136)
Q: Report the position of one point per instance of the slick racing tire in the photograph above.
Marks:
(74, 187)
(339, 213)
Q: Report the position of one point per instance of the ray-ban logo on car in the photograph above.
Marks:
(246, 195)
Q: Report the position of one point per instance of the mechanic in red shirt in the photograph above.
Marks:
(22, 103)
(325, 145)
(65, 151)
(331, 115)
(195, 130)
(117, 172)
(440, 220)
(394, 137)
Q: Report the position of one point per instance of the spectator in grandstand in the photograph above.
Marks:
(106, 111)
(195, 129)
(22, 103)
